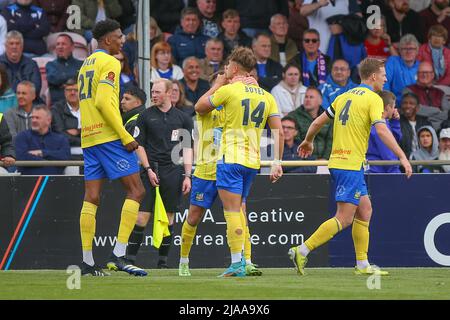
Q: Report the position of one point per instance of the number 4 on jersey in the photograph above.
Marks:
(343, 116)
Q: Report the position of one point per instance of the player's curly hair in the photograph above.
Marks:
(244, 57)
(102, 28)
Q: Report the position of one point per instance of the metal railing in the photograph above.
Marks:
(265, 163)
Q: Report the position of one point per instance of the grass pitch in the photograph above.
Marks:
(327, 283)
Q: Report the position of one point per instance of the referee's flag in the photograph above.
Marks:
(161, 222)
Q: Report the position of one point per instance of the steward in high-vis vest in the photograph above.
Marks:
(132, 104)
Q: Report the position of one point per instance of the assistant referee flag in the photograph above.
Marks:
(161, 222)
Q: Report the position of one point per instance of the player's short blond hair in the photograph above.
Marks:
(244, 57)
(369, 66)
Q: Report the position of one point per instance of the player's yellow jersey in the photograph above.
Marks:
(209, 127)
(100, 72)
(247, 108)
(354, 112)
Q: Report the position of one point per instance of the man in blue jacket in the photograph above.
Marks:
(401, 71)
(32, 22)
(377, 149)
(39, 143)
(188, 40)
(337, 83)
(65, 67)
(18, 67)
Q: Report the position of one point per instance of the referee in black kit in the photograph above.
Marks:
(161, 130)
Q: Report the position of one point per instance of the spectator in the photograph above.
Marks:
(7, 152)
(156, 34)
(401, 20)
(305, 115)
(31, 21)
(297, 23)
(3, 31)
(255, 14)
(433, 102)
(410, 122)
(161, 62)
(127, 19)
(179, 100)
(377, 150)
(378, 43)
(347, 40)
(337, 83)
(8, 98)
(66, 120)
(63, 68)
(438, 55)
(444, 147)
(130, 49)
(56, 11)
(291, 145)
(167, 13)
(95, 11)
(213, 60)
(269, 71)
(210, 22)
(401, 71)
(428, 151)
(132, 105)
(19, 119)
(127, 78)
(283, 49)
(314, 64)
(437, 13)
(318, 11)
(231, 35)
(290, 92)
(41, 144)
(188, 40)
(193, 85)
(18, 66)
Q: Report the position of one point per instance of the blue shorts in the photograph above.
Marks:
(203, 192)
(235, 178)
(350, 185)
(109, 160)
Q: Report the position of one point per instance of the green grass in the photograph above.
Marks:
(335, 283)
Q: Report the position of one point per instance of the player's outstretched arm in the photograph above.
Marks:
(388, 139)
(276, 171)
(306, 147)
(203, 105)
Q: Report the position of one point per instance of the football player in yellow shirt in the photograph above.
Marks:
(204, 190)
(108, 148)
(247, 109)
(354, 113)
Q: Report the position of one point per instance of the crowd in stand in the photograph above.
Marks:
(307, 53)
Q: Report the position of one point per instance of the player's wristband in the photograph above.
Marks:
(187, 175)
(148, 168)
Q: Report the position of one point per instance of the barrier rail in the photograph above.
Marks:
(291, 163)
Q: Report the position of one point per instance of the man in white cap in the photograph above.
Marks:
(444, 147)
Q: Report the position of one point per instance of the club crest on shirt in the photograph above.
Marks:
(199, 196)
(111, 76)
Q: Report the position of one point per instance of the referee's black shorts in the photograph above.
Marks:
(170, 187)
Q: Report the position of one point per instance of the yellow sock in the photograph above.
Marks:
(360, 235)
(87, 225)
(247, 245)
(128, 219)
(187, 235)
(235, 232)
(324, 233)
